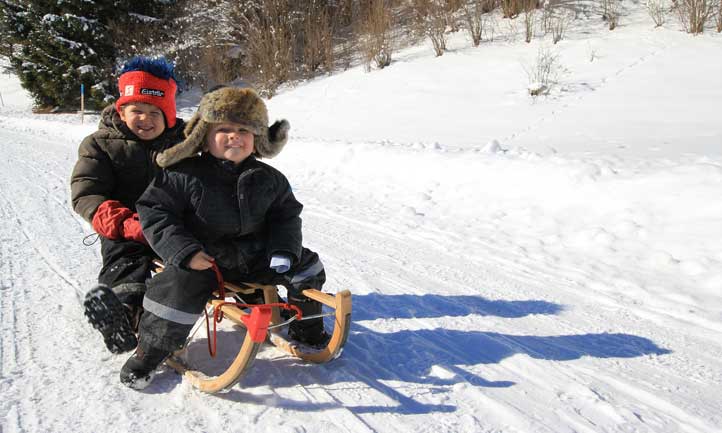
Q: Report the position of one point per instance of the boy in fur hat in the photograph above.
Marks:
(218, 204)
(115, 165)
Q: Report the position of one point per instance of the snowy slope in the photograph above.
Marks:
(517, 266)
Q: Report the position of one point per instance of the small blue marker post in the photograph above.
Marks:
(82, 102)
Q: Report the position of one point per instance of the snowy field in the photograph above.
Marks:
(517, 265)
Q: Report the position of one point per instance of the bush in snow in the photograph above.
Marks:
(474, 20)
(317, 42)
(512, 8)
(267, 27)
(693, 14)
(558, 26)
(543, 73)
(529, 18)
(375, 35)
(657, 10)
(431, 18)
(610, 12)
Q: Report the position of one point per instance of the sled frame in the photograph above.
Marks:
(340, 303)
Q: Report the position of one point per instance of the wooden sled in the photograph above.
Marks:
(268, 331)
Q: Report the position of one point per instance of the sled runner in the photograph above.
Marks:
(263, 322)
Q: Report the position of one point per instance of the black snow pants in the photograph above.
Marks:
(126, 267)
(176, 297)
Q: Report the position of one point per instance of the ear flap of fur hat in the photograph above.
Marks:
(195, 132)
(272, 145)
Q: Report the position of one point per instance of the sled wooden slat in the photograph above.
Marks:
(228, 378)
(341, 303)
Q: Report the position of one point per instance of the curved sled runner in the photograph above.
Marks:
(263, 323)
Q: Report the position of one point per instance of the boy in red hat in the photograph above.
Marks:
(115, 165)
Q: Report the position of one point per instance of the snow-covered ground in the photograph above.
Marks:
(517, 266)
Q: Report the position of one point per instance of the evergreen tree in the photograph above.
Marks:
(60, 44)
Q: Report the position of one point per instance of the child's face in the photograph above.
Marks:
(144, 120)
(229, 141)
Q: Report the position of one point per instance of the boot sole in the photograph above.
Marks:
(107, 314)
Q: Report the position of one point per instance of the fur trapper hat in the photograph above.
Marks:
(229, 104)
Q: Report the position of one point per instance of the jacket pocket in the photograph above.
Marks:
(256, 194)
(217, 211)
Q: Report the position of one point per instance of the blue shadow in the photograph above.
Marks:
(379, 306)
(375, 358)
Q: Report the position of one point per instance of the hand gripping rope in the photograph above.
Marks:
(257, 322)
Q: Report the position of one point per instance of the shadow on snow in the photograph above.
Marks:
(379, 306)
(372, 359)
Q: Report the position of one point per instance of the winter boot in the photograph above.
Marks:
(131, 295)
(108, 315)
(139, 370)
(309, 332)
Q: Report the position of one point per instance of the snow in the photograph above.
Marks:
(518, 264)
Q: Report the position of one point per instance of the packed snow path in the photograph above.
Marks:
(462, 321)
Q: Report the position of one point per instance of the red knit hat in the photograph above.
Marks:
(141, 86)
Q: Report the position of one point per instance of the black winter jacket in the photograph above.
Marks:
(240, 215)
(113, 164)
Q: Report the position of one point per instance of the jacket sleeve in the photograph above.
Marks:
(92, 180)
(161, 209)
(284, 223)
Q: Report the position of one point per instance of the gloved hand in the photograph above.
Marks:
(115, 221)
(280, 263)
(132, 230)
(108, 219)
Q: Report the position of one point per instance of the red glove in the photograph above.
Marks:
(132, 230)
(108, 219)
(115, 221)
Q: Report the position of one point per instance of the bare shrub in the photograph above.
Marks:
(529, 16)
(718, 17)
(547, 16)
(487, 5)
(694, 14)
(431, 18)
(474, 20)
(317, 49)
(543, 73)
(511, 8)
(558, 26)
(452, 7)
(375, 35)
(217, 65)
(657, 10)
(268, 32)
(593, 54)
(610, 12)
(490, 26)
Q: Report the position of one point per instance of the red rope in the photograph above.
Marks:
(218, 313)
